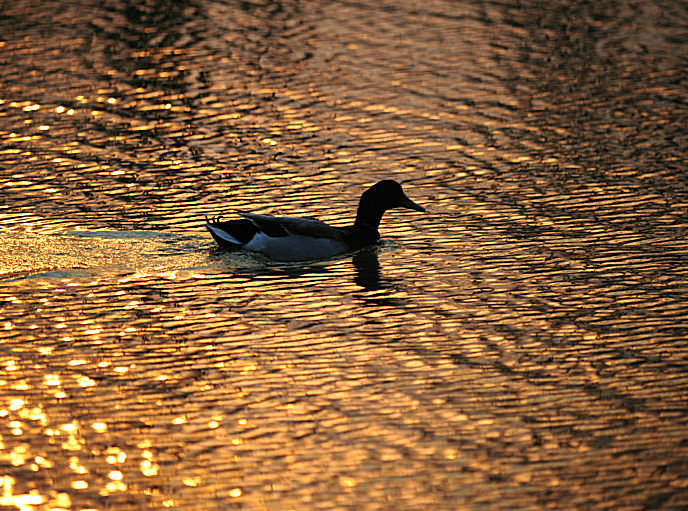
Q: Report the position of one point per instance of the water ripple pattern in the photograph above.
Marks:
(522, 345)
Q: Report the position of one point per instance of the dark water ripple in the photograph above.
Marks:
(523, 345)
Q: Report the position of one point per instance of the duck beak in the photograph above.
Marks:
(405, 202)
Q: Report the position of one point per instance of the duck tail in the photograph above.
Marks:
(222, 237)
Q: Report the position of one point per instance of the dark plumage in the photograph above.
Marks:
(299, 239)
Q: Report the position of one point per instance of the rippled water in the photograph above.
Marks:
(521, 345)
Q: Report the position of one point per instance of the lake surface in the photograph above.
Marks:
(522, 345)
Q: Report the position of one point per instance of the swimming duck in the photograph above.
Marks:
(302, 239)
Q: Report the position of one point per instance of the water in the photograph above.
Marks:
(523, 344)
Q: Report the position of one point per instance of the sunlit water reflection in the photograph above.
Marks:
(523, 344)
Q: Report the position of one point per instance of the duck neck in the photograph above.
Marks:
(369, 214)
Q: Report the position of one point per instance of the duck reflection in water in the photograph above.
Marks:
(308, 239)
(367, 266)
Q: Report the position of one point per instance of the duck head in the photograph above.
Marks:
(380, 197)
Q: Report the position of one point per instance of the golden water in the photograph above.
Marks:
(523, 344)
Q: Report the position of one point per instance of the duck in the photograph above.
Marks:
(301, 239)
